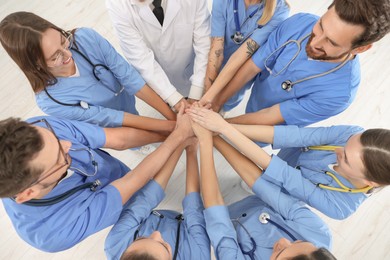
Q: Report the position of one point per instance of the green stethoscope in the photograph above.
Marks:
(342, 188)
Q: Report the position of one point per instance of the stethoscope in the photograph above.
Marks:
(82, 103)
(238, 37)
(287, 85)
(264, 218)
(56, 199)
(342, 188)
(179, 219)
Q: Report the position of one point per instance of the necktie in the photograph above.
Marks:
(158, 11)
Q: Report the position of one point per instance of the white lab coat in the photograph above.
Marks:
(171, 58)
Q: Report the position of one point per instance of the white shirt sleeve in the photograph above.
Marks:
(138, 53)
(201, 47)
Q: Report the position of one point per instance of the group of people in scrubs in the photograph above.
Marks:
(58, 186)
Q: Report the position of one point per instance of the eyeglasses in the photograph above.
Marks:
(66, 46)
(61, 152)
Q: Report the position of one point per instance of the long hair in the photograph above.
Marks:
(21, 37)
(376, 155)
(269, 10)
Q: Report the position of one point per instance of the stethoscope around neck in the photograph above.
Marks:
(82, 103)
(179, 219)
(343, 188)
(90, 185)
(264, 218)
(287, 85)
(238, 37)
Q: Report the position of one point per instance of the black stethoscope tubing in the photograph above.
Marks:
(238, 37)
(179, 219)
(265, 218)
(56, 199)
(282, 228)
(83, 104)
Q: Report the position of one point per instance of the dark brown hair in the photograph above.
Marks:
(21, 36)
(135, 255)
(376, 155)
(373, 15)
(319, 254)
(19, 144)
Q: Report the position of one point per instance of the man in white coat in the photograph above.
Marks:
(170, 52)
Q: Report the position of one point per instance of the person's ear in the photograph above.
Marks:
(372, 183)
(361, 49)
(26, 195)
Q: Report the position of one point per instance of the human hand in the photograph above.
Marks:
(178, 104)
(209, 100)
(206, 118)
(205, 100)
(201, 132)
(183, 122)
(191, 101)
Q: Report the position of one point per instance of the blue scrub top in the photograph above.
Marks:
(225, 233)
(105, 109)
(302, 182)
(312, 100)
(223, 25)
(194, 242)
(63, 225)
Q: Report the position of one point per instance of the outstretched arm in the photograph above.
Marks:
(148, 123)
(214, 62)
(218, 96)
(139, 54)
(214, 122)
(193, 205)
(163, 176)
(121, 138)
(238, 58)
(219, 227)
(259, 133)
(152, 99)
(209, 181)
(267, 116)
(247, 170)
(192, 180)
(148, 168)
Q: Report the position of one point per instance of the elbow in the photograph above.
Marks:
(338, 215)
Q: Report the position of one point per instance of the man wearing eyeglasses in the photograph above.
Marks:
(58, 187)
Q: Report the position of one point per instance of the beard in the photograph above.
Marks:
(143, 2)
(323, 56)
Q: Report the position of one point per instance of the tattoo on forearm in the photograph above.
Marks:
(215, 60)
(218, 53)
(251, 46)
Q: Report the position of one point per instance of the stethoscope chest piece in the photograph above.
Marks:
(84, 104)
(287, 85)
(237, 37)
(263, 218)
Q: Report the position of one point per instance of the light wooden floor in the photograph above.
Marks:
(365, 235)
